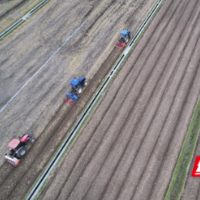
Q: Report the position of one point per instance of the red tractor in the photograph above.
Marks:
(18, 148)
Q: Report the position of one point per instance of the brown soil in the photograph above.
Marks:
(90, 29)
(129, 147)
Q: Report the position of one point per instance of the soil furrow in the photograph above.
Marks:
(125, 162)
(155, 160)
(59, 124)
(132, 139)
(177, 138)
(111, 157)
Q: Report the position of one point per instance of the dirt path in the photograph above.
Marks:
(64, 39)
(133, 139)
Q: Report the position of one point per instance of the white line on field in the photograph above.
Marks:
(40, 68)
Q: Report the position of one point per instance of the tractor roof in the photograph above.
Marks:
(14, 143)
(125, 32)
(74, 82)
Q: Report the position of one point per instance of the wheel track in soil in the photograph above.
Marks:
(149, 125)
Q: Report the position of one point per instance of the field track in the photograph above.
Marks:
(129, 147)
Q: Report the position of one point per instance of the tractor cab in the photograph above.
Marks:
(17, 148)
(14, 144)
(77, 85)
(125, 35)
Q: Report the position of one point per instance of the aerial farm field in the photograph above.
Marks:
(62, 40)
(129, 147)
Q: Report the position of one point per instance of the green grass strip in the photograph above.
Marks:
(180, 174)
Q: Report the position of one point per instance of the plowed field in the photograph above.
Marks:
(129, 147)
(62, 40)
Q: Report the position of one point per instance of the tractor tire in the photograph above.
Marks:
(31, 140)
(79, 90)
(85, 83)
(21, 152)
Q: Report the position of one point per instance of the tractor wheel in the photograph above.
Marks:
(21, 152)
(31, 140)
(79, 90)
(85, 83)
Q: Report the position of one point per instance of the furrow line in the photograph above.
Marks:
(115, 97)
(123, 153)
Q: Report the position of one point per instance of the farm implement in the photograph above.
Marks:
(76, 89)
(125, 36)
(18, 148)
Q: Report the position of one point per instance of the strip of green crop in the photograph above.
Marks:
(180, 174)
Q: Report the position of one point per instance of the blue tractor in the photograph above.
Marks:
(77, 85)
(125, 36)
(76, 89)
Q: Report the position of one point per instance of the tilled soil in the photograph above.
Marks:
(129, 147)
(38, 60)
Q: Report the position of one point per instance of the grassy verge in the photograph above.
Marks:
(180, 174)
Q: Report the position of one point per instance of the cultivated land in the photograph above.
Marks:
(62, 40)
(129, 147)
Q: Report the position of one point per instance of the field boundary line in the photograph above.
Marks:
(39, 184)
(179, 176)
(47, 61)
(22, 19)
